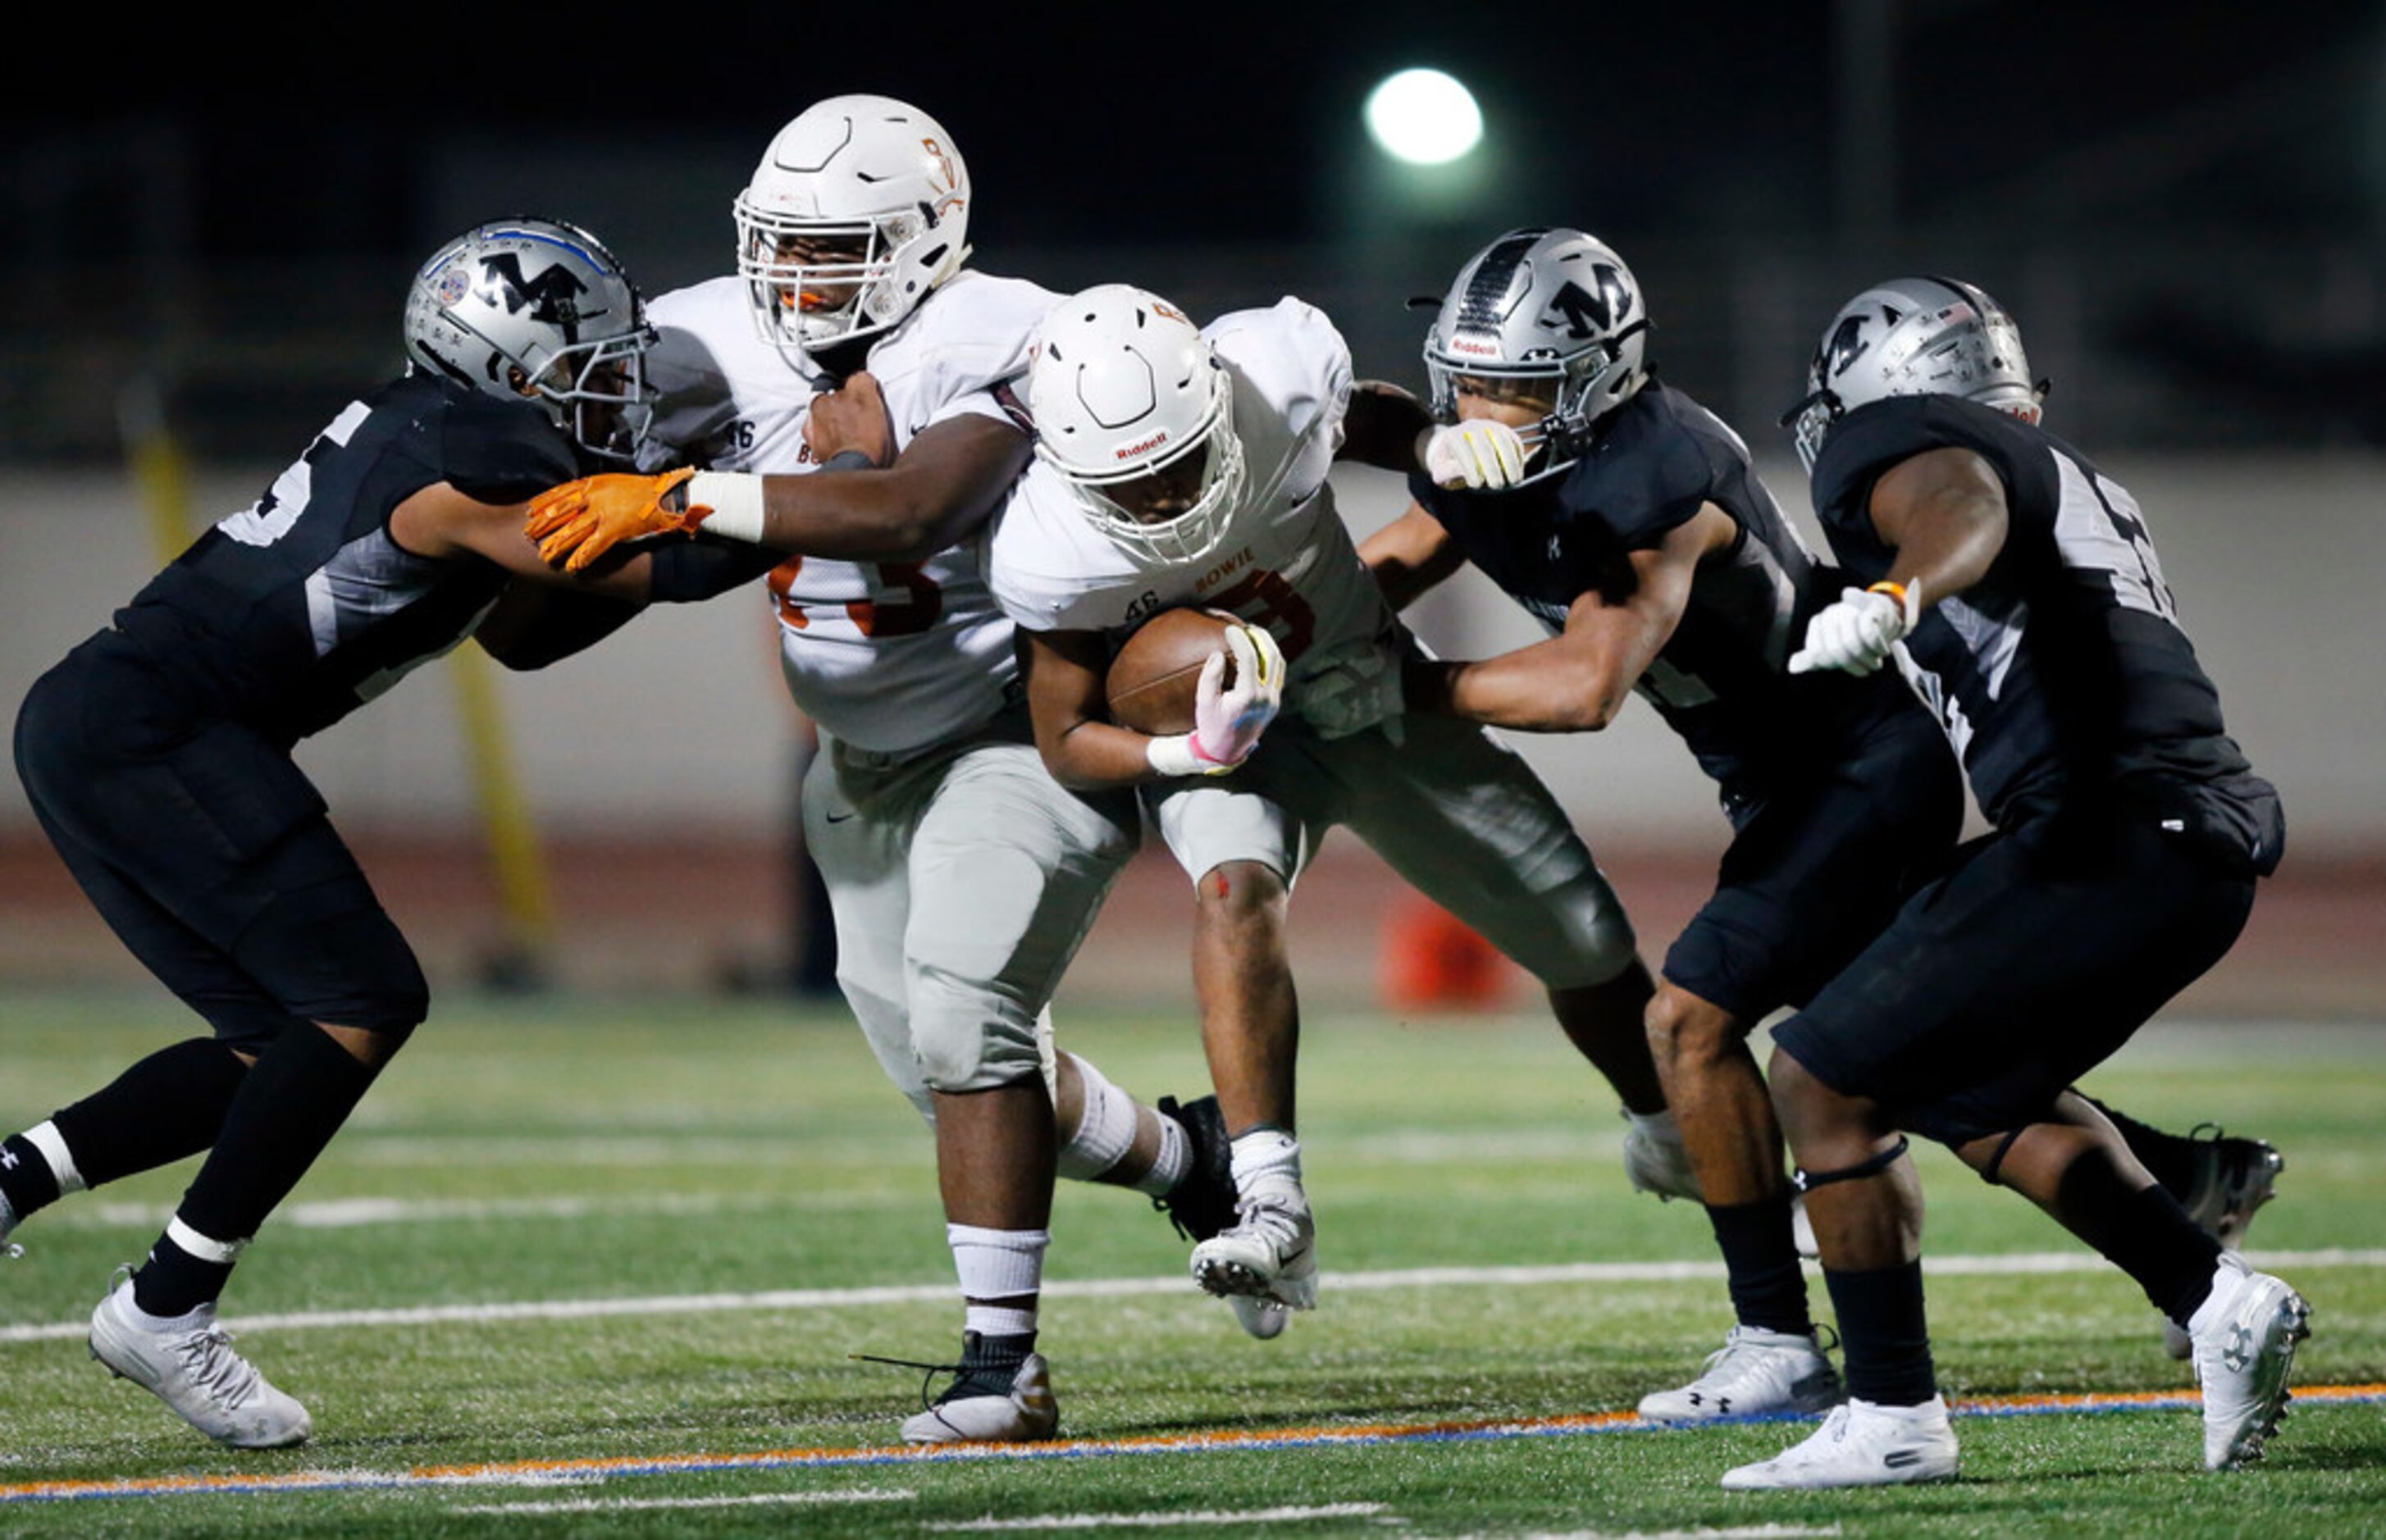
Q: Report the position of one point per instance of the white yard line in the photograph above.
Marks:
(2016, 1263)
(627, 1505)
(1166, 1520)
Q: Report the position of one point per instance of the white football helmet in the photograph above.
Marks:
(538, 309)
(1138, 416)
(869, 174)
(1914, 336)
(1549, 305)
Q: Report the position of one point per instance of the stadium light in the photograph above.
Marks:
(1423, 117)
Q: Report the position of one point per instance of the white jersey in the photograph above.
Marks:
(1286, 561)
(889, 656)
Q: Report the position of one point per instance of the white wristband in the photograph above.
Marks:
(735, 502)
(1173, 756)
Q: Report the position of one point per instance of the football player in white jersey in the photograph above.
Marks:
(961, 876)
(1178, 466)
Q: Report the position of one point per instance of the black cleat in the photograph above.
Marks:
(1202, 1204)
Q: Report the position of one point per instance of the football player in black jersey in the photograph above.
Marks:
(157, 758)
(1628, 519)
(2129, 833)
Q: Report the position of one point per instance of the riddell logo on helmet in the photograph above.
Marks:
(1132, 450)
(1468, 345)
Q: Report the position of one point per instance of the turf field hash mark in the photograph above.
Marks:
(2031, 1263)
(763, 1499)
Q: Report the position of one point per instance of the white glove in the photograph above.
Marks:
(1480, 453)
(1856, 634)
(1355, 692)
(1227, 719)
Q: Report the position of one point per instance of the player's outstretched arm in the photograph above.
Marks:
(1577, 680)
(1942, 514)
(1410, 556)
(1383, 426)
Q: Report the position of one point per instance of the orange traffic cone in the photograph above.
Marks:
(1430, 961)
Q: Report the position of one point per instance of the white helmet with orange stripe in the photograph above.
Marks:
(859, 208)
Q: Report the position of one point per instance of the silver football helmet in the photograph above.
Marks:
(859, 208)
(538, 309)
(1914, 336)
(1136, 415)
(1555, 305)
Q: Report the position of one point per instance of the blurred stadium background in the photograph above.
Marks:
(2185, 205)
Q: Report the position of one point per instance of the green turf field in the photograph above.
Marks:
(593, 1151)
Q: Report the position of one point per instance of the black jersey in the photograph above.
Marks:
(2062, 674)
(293, 612)
(1720, 679)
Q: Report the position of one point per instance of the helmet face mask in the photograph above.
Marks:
(1136, 417)
(538, 310)
(1914, 336)
(1551, 316)
(859, 208)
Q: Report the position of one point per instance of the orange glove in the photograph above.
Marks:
(581, 521)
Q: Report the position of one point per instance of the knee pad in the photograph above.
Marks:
(966, 1038)
(1804, 1181)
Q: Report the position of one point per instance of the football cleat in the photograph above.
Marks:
(1860, 1444)
(1754, 1373)
(1657, 1160)
(1202, 1204)
(9, 1250)
(994, 1398)
(2244, 1342)
(188, 1362)
(1270, 1254)
(2233, 1179)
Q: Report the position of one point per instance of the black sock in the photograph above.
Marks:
(2143, 1232)
(2172, 1159)
(1768, 1290)
(162, 1109)
(301, 1090)
(1884, 1335)
(173, 1283)
(26, 1180)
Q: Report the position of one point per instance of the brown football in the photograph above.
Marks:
(1158, 670)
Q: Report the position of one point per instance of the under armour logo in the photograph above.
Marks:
(7, 1160)
(2239, 1351)
(552, 296)
(1553, 547)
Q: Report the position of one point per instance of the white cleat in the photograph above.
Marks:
(1265, 1319)
(1655, 1160)
(2244, 1340)
(2237, 1176)
(1271, 1253)
(973, 1411)
(188, 1363)
(1859, 1444)
(1756, 1373)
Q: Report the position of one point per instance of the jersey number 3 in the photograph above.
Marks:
(904, 600)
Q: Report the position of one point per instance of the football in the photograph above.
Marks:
(1158, 670)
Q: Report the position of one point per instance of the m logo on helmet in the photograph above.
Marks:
(1587, 314)
(553, 296)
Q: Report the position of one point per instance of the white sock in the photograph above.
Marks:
(1170, 1166)
(998, 1264)
(1266, 1158)
(2224, 1279)
(1105, 1129)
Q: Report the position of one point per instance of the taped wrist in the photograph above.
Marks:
(735, 502)
(1178, 753)
(1806, 1181)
